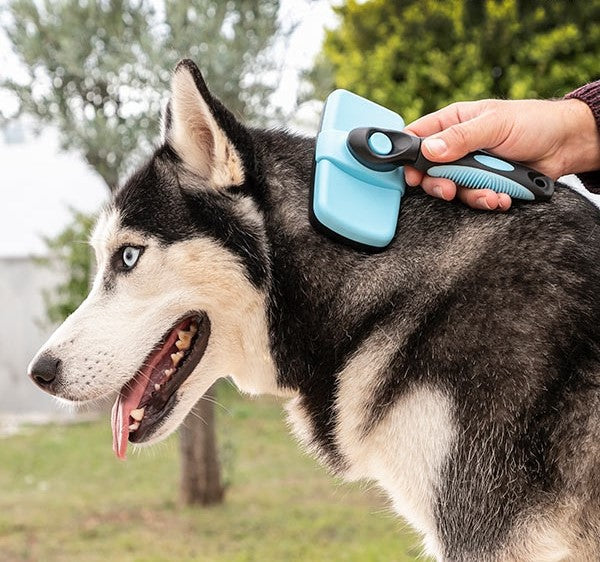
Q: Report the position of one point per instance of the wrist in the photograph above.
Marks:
(582, 145)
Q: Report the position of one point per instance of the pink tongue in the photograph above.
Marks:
(131, 394)
(127, 400)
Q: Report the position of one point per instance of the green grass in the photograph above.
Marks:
(65, 497)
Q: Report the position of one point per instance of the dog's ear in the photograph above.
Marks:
(200, 130)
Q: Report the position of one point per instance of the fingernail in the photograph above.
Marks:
(438, 191)
(435, 147)
(503, 202)
(482, 203)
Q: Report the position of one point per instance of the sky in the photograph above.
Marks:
(38, 183)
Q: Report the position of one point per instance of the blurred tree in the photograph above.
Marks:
(98, 71)
(69, 253)
(416, 56)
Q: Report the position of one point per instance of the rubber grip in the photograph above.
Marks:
(481, 170)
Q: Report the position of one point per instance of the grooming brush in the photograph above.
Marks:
(358, 178)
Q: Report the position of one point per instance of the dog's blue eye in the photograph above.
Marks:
(130, 256)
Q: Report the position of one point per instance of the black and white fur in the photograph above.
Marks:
(459, 369)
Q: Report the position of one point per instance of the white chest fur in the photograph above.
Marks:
(405, 451)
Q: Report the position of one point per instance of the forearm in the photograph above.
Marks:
(589, 166)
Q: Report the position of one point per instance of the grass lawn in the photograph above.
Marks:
(65, 497)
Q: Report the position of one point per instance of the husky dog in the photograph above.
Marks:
(459, 369)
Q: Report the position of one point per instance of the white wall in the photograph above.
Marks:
(38, 185)
(21, 309)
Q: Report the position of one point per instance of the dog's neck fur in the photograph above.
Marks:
(317, 360)
(298, 301)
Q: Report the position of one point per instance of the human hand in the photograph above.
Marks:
(554, 137)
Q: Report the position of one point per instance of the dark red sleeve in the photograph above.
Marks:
(590, 94)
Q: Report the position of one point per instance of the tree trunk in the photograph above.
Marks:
(200, 468)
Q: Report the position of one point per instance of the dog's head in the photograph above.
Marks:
(179, 298)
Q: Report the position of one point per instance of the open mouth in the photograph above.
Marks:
(149, 396)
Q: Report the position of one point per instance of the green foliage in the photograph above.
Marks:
(69, 253)
(99, 70)
(416, 56)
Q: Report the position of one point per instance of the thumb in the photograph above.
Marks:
(462, 138)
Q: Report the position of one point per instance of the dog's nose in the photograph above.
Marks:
(44, 370)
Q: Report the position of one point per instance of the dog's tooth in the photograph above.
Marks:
(156, 386)
(185, 336)
(176, 357)
(137, 414)
(193, 328)
(184, 343)
(169, 372)
(134, 426)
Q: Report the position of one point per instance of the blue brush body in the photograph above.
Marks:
(349, 199)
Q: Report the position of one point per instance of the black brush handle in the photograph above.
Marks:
(384, 150)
